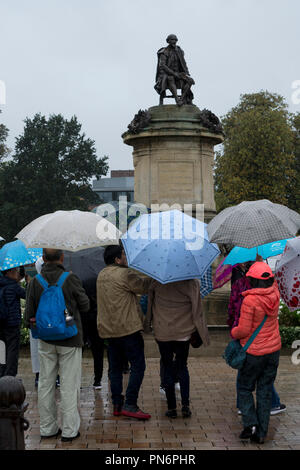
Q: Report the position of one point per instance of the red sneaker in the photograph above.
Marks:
(117, 410)
(135, 413)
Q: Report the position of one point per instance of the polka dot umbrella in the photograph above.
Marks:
(288, 274)
(13, 255)
(169, 246)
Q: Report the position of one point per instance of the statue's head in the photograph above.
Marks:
(172, 40)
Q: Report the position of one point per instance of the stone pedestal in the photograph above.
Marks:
(173, 159)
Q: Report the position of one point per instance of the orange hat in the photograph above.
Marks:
(260, 270)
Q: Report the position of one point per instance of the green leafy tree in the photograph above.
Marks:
(4, 151)
(51, 170)
(294, 193)
(257, 160)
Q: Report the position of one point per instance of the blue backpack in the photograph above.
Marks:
(50, 316)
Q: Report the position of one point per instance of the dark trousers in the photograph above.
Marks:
(162, 372)
(125, 364)
(181, 350)
(259, 372)
(90, 332)
(275, 396)
(10, 335)
(132, 347)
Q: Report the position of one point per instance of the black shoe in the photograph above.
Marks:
(258, 440)
(70, 439)
(278, 409)
(186, 412)
(248, 432)
(171, 414)
(97, 385)
(52, 435)
(57, 382)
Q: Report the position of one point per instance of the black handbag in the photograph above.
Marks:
(195, 340)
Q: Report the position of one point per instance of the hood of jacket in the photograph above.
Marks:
(267, 298)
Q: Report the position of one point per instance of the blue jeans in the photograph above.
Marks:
(275, 396)
(132, 347)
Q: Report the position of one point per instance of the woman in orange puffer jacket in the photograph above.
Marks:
(262, 356)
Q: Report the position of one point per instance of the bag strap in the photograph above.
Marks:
(62, 278)
(59, 283)
(254, 334)
(42, 281)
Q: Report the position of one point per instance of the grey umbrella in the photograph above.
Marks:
(253, 223)
(86, 264)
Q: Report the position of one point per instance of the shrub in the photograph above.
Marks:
(24, 341)
(287, 318)
(288, 335)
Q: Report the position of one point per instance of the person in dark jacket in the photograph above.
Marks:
(63, 356)
(10, 326)
(90, 330)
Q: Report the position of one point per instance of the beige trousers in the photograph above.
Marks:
(67, 363)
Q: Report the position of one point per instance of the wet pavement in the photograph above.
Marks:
(214, 423)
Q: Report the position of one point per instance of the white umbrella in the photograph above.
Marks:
(69, 230)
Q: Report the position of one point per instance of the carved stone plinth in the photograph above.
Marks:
(173, 158)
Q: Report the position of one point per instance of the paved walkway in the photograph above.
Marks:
(213, 425)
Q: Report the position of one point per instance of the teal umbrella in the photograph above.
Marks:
(242, 255)
(13, 255)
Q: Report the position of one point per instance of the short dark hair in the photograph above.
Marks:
(7, 271)
(262, 283)
(112, 252)
(248, 265)
(52, 254)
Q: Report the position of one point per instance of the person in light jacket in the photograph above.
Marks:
(262, 356)
(175, 312)
(120, 321)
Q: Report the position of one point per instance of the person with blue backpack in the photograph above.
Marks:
(10, 319)
(54, 301)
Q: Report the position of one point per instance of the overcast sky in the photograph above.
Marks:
(97, 58)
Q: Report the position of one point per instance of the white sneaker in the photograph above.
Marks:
(97, 386)
(278, 409)
(162, 390)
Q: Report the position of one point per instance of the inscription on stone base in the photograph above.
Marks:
(176, 180)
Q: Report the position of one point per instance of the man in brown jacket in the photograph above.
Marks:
(120, 320)
(175, 312)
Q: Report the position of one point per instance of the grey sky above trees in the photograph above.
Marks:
(97, 59)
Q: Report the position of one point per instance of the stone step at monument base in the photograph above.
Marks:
(215, 307)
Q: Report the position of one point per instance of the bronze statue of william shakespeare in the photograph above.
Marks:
(172, 73)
